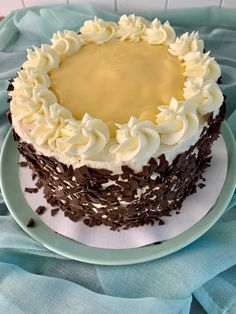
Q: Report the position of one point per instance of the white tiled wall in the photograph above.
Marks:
(229, 3)
(29, 3)
(105, 4)
(174, 4)
(6, 6)
(130, 6)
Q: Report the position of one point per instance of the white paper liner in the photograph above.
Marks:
(194, 208)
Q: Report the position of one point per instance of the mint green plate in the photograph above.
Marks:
(21, 212)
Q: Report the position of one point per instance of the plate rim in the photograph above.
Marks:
(72, 249)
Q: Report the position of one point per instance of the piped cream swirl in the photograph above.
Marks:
(158, 34)
(43, 96)
(31, 103)
(27, 79)
(137, 140)
(207, 95)
(31, 77)
(66, 43)
(198, 65)
(48, 130)
(45, 58)
(24, 109)
(131, 27)
(97, 31)
(85, 138)
(186, 43)
(177, 122)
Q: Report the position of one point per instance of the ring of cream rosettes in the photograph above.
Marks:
(52, 124)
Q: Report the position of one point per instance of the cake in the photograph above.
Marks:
(117, 120)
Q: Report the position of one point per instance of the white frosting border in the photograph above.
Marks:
(40, 120)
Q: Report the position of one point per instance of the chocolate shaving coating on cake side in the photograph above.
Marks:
(130, 199)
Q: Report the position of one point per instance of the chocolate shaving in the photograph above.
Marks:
(8, 114)
(70, 171)
(127, 170)
(219, 81)
(10, 86)
(30, 223)
(201, 185)
(31, 190)
(54, 211)
(161, 222)
(40, 210)
(39, 184)
(103, 172)
(23, 164)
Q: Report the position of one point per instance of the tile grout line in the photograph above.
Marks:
(166, 5)
(23, 3)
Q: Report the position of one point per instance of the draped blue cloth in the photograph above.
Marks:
(35, 280)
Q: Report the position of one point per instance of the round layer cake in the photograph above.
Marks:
(117, 121)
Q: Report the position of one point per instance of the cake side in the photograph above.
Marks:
(128, 200)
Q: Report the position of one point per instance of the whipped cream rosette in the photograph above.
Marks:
(158, 33)
(45, 58)
(97, 31)
(86, 138)
(66, 43)
(177, 122)
(136, 140)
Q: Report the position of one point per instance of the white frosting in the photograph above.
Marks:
(30, 77)
(207, 95)
(24, 109)
(45, 58)
(43, 96)
(97, 31)
(136, 140)
(104, 160)
(34, 101)
(86, 138)
(198, 65)
(158, 34)
(177, 122)
(186, 43)
(131, 27)
(48, 130)
(40, 120)
(27, 79)
(66, 43)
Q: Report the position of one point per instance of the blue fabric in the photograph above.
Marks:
(35, 280)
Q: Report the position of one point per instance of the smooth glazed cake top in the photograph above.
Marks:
(115, 93)
(118, 80)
